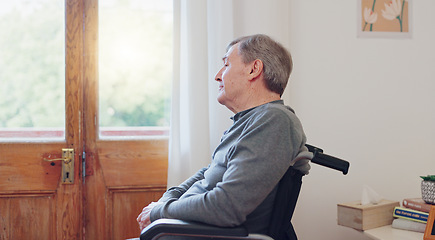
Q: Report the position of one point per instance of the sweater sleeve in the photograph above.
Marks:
(256, 163)
(176, 192)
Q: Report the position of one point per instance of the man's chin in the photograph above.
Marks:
(221, 101)
(220, 98)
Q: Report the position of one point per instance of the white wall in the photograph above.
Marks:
(369, 101)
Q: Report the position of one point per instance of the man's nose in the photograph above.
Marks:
(218, 76)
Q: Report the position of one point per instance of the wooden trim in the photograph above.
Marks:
(69, 201)
(16, 194)
(14, 133)
(430, 225)
(94, 192)
(59, 133)
(137, 188)
(133, 131)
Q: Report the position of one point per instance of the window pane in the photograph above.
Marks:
(135, 66)
(32, 69)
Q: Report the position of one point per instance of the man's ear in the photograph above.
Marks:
(256, 69)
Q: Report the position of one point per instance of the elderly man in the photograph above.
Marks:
(239, 186)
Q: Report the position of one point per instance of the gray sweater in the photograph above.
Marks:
(239, 185)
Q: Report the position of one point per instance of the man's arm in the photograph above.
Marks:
(176, 192)
(172, 193)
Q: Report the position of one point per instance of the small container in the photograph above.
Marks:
(428, 191)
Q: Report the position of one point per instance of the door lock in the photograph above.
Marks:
(67, 165)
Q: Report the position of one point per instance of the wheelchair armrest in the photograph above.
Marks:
(179, 227)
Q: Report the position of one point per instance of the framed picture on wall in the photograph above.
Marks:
(384, 18)
(429, 233)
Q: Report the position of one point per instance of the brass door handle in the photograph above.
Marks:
(66, 160)
(67, 165)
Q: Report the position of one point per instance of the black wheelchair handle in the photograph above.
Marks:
(328, 161)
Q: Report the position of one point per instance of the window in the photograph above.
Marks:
(135, 67)
(32, 69)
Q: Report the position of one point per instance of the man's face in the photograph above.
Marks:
(232, 78)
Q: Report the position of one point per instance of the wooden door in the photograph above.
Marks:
(113, 179)
(34, 204)
(121, 176)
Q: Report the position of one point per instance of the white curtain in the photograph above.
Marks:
(195, 127)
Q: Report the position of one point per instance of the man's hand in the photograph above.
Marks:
(144, 217)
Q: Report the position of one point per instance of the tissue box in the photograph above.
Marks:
(364, 217)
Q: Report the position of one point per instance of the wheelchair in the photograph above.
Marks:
(280, 226)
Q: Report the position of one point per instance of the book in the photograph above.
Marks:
(409, 225)
(417, 204)
(410, 214)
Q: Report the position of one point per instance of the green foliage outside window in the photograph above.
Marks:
(32, 64)
(135, 63)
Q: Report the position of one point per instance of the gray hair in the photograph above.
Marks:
(277, 61)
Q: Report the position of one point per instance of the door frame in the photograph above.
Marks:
(70, 225)
(145, 160)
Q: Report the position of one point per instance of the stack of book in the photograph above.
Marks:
(412, 215)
